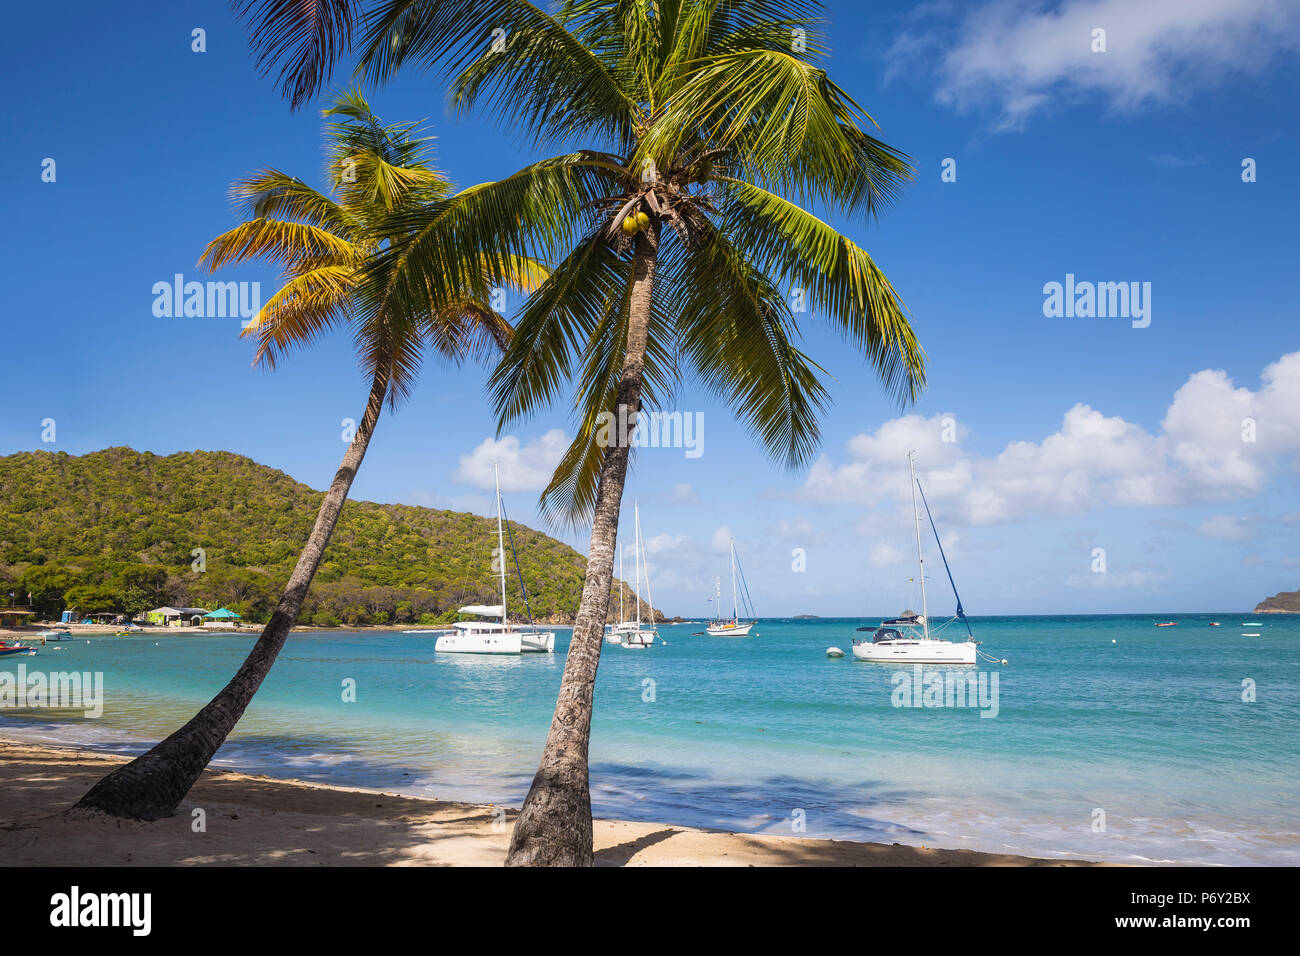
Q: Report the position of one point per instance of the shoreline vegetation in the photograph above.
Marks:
(254, 820)
(121, 531)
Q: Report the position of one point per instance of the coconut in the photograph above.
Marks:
(642, 220)
(630, 225)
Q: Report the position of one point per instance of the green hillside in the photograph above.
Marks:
(1287, 602)
(117, 530)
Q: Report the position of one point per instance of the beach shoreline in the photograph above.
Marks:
(263, 821)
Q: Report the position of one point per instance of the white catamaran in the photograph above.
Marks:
(907, 638)
(734, 627)
(633, 633)
(493, 637)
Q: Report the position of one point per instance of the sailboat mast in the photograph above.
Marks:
(621, 584)
(501, 544)
(735, 611)
(649, 598)
(636, 546)
(920, 558)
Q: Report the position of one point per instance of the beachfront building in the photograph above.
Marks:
(176, 616)
(13, 617)
(222, 617)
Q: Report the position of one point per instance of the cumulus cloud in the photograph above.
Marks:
(884, 555)
(1020, 56)
(1217, 442)
(683, 493)
(721, 540)
(524, 467)
(1229, 527)
(1139, 579)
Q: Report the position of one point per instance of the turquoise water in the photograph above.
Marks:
(768, 734)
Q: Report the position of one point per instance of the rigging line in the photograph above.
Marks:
(960, 613)
(744, 584)
(515, 554)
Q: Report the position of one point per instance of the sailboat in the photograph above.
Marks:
(492, 637)
(734, 627)
(633, 633)
(907, 638)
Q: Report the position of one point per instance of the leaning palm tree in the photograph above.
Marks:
(322, 244)
(687, 224)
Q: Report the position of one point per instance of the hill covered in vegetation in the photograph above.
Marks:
(125, 531)
(1287, 602)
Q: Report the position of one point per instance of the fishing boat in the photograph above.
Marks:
(1166, 624)
(497, 637)
(907, 638)
(17, 650)
(733, 627)
(634, 634)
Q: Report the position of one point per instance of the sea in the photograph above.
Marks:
(1100, 738)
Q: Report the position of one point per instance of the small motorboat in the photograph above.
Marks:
(16, 650)
(1215, 624)
(834, 652)
(1166, 623)
(48, 636)
(130, 630)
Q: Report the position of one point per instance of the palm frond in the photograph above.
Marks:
(305, 38)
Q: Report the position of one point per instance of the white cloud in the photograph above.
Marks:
(525, 467)
(665, 542)
(1020, 56)
(1202, 453)
(1229, 527)
(1136, 579)
(884, 555)
(721, 540)
(683, 493)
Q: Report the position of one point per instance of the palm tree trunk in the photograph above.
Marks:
(152, 785)
(554, 827)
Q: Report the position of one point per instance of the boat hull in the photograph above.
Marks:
(639, 640)
(729, 630)
(916, 652)
(537, 642)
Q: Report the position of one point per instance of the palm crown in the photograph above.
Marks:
(708, 132)
(322, 244)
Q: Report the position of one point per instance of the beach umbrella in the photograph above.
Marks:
(221, 614)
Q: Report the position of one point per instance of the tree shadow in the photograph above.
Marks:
(622, 853)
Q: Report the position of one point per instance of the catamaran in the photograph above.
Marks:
(633, 633)
(907, 638)
(493, 637)
(733, 627)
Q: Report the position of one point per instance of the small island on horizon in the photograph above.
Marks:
(1285, 602)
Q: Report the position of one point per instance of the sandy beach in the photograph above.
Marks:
(260, 821)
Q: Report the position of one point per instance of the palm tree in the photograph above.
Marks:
(323, 244)
(706, 151)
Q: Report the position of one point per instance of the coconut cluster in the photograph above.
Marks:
(635, 222)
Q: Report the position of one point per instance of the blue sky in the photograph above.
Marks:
(1072, 434)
